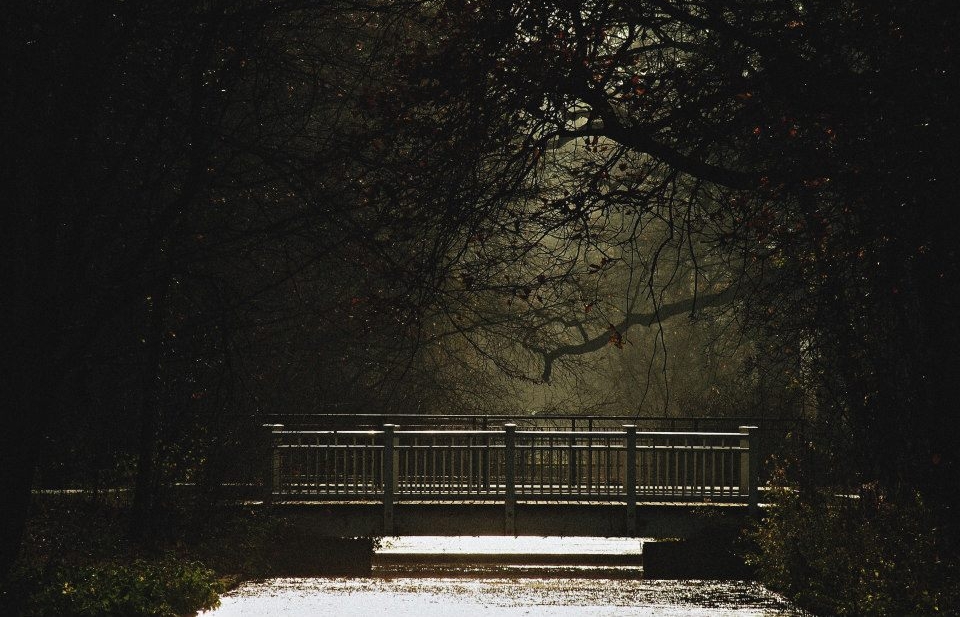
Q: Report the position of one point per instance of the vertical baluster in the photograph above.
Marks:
(417, 475)
(322, 444)
(371, 467)
(449, 475)
(731, 469)
(389, 476)
(460, 463)
(429, 467)
(510, 496)
(654, 474)
(613, 466)
(404, 482)
(589, 478)
(641, 467)
(322, 453)
(492, 469)
(665, 453)
(546, 464)
(667, 467)
(345, 461)
(556, 455)
(421, 455)
(451, 456)
(647, 468)
(364, 462)
(359, 446)
(724, 454)
(410, 449)
(466, 461)
(271, 461)
(685, 453)
(334, 478)
(678, 467)
(343, 446)
(438, 465)
(713, 471)
(338, 464)
(703, 469)
(352, 450)
(435, 463)
(621, 466)
(598, 466)
(749, 468)
(473, 483)
(466, 465)
(314, 461)
(360, 453)
(670, 484)
(630, 444)
(433, 459)
(657, 465)
(456, 465)
(485, 462)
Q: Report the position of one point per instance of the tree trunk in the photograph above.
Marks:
(28, 394)
(18, 460)
(145, 498)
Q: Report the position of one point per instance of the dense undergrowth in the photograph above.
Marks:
(163, 587)
(78, 560)
(860, 554)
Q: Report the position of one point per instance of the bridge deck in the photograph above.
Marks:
(547, 518)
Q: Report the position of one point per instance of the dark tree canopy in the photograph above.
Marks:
(799, 157)
(224, 209)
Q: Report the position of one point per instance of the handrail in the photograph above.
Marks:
(510, 466)
(488, 432)
(356, 419)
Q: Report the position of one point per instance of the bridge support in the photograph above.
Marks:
(631, 478)
(510, 479)
(389, 476)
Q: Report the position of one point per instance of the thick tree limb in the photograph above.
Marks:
(639, 139)
(688, 305)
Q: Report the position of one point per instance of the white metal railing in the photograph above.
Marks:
(510, 466)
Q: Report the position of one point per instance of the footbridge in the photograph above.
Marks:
(574, 476)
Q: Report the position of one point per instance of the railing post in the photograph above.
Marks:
(271, 461)
(631, 478)
(389, 464)
(749, 468)
(510, 473)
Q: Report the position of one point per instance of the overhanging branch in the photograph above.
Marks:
(688, 305)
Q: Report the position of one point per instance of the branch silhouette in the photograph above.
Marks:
(689, 305)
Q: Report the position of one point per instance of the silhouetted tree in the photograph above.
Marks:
(798, 155)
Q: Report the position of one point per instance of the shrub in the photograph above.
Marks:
(162, 588)
(854, 555)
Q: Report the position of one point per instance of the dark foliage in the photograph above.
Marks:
(223, 209)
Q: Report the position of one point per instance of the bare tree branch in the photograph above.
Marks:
(688, 305)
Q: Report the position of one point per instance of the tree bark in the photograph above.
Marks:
(145, 498)
(18, 447)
